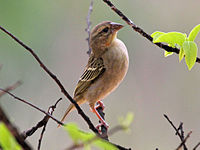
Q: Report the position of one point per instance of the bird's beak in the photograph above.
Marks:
(116, 26)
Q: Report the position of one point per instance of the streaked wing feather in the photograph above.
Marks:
(93, 70)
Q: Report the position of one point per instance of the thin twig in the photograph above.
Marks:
(198, 144)
(50, 111)
(41, 123)
(24, 101)
(180, 128)
(184, 141)
(13, 130)
(177, 131)
(89, 26)
(53, 76)
(141, 31)
(10, 88)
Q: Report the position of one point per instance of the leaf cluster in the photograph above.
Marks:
(187, 46)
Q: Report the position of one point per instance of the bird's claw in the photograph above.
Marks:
(98, 127)
(99, 104)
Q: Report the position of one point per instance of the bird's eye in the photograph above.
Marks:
(105, 30)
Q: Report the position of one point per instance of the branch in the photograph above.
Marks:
(89, 26)
(195, 148)
(10, 88)
(41, 123)
(53, 76)
(13, 130)
(180, 135)
(141, 31)
(50, 111)
(184, 141)
(24, 101)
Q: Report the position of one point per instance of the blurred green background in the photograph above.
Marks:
(153, 86)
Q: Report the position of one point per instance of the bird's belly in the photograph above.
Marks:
(111, 78)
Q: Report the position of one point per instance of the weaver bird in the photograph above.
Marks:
(106, 68)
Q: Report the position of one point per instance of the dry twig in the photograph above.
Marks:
(180, 135)
(10, 88)
(24, 101)
(184, 141)
(46, 118)
(40, 124)
(195, 148)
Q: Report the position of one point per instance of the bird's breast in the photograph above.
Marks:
(116, 65)
(116, 62)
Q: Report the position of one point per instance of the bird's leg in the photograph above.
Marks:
(100, 118)
(94, 109)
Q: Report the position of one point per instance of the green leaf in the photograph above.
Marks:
(190, 50)
(168, 53)
(194, 33)
(76, 134)
(7, 141)
(104, 145)
(156, 34)
(87, 138)
(126, 122)
(181, 54)
(172, 38)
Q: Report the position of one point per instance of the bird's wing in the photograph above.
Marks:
(94, 69)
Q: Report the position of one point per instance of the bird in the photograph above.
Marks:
(106, 68)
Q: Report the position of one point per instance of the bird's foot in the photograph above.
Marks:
(102, 125)
(99, 104)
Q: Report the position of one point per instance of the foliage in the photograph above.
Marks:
(7, 141)
(126, 122)
(89, 139)
(187, 46)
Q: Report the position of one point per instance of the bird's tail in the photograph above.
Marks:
(71, 106)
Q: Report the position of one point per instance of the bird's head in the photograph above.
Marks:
(103, 34)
